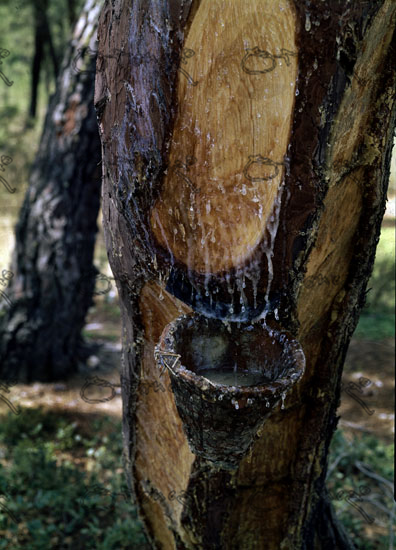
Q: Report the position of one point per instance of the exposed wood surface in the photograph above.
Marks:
(235, 99)
(165, 437)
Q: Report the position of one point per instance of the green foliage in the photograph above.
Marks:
(377, 321)
(377, 459)
(31, 423)
(368, 449)
(375, 326)
(17, 36)
(57, 504)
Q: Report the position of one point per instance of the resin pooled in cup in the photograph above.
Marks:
(233, 377)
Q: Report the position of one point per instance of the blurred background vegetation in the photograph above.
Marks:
(59, 448)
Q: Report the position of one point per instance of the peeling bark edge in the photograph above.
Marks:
(303, 204)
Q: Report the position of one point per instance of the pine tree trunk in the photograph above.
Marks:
(53, 275)
(42, 38)
(246, 154)
(71, 10)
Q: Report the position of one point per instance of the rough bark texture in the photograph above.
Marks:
(332, 183)
(52, 264)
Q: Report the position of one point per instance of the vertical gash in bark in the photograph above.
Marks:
(246, 147)
(55, 235)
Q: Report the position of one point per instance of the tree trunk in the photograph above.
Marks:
(52, 275)
(71, 10)
(42, 38)
(37, 59)
(246, 153)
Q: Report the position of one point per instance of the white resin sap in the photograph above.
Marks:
(253, 271)
(229, 377)
(272, 227)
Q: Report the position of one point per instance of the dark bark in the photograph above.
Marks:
(330, 533)
(37, 60)
(42, 41)
(336, 169)
(52, 263)
(71, 10)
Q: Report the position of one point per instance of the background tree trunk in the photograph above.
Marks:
(71, 9)
(320, 78)
(42, 39)
(54, 277)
